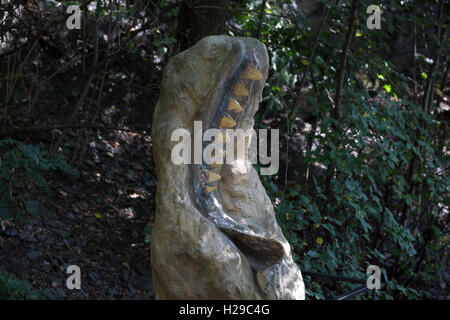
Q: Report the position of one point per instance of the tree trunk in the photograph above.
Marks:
(200, 18)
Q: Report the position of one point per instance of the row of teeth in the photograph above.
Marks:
(239, 90)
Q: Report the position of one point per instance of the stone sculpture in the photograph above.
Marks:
(215, 234)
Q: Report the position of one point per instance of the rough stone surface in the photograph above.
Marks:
(215, 239)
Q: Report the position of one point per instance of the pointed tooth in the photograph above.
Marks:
(240, 90)
(212, 176)
(252, 73)
(227, 122)
(215, 165)
(234, 105)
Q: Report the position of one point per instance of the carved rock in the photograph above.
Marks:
(215, 234)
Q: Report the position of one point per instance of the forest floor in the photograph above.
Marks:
(95, 222)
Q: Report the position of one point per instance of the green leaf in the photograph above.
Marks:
(32, 207)
(313, 254)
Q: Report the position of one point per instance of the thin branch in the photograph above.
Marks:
(296, 105)
(86, 87)
(343, 59)
(335, 112)
(32, 130)
(260, 18)
(430, 81)
(243, 10)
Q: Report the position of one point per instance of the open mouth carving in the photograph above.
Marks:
(215, 226)
(232, 100)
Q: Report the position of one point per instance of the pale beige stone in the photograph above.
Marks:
(233, 247)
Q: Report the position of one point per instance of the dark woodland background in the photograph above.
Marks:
(363, 116)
